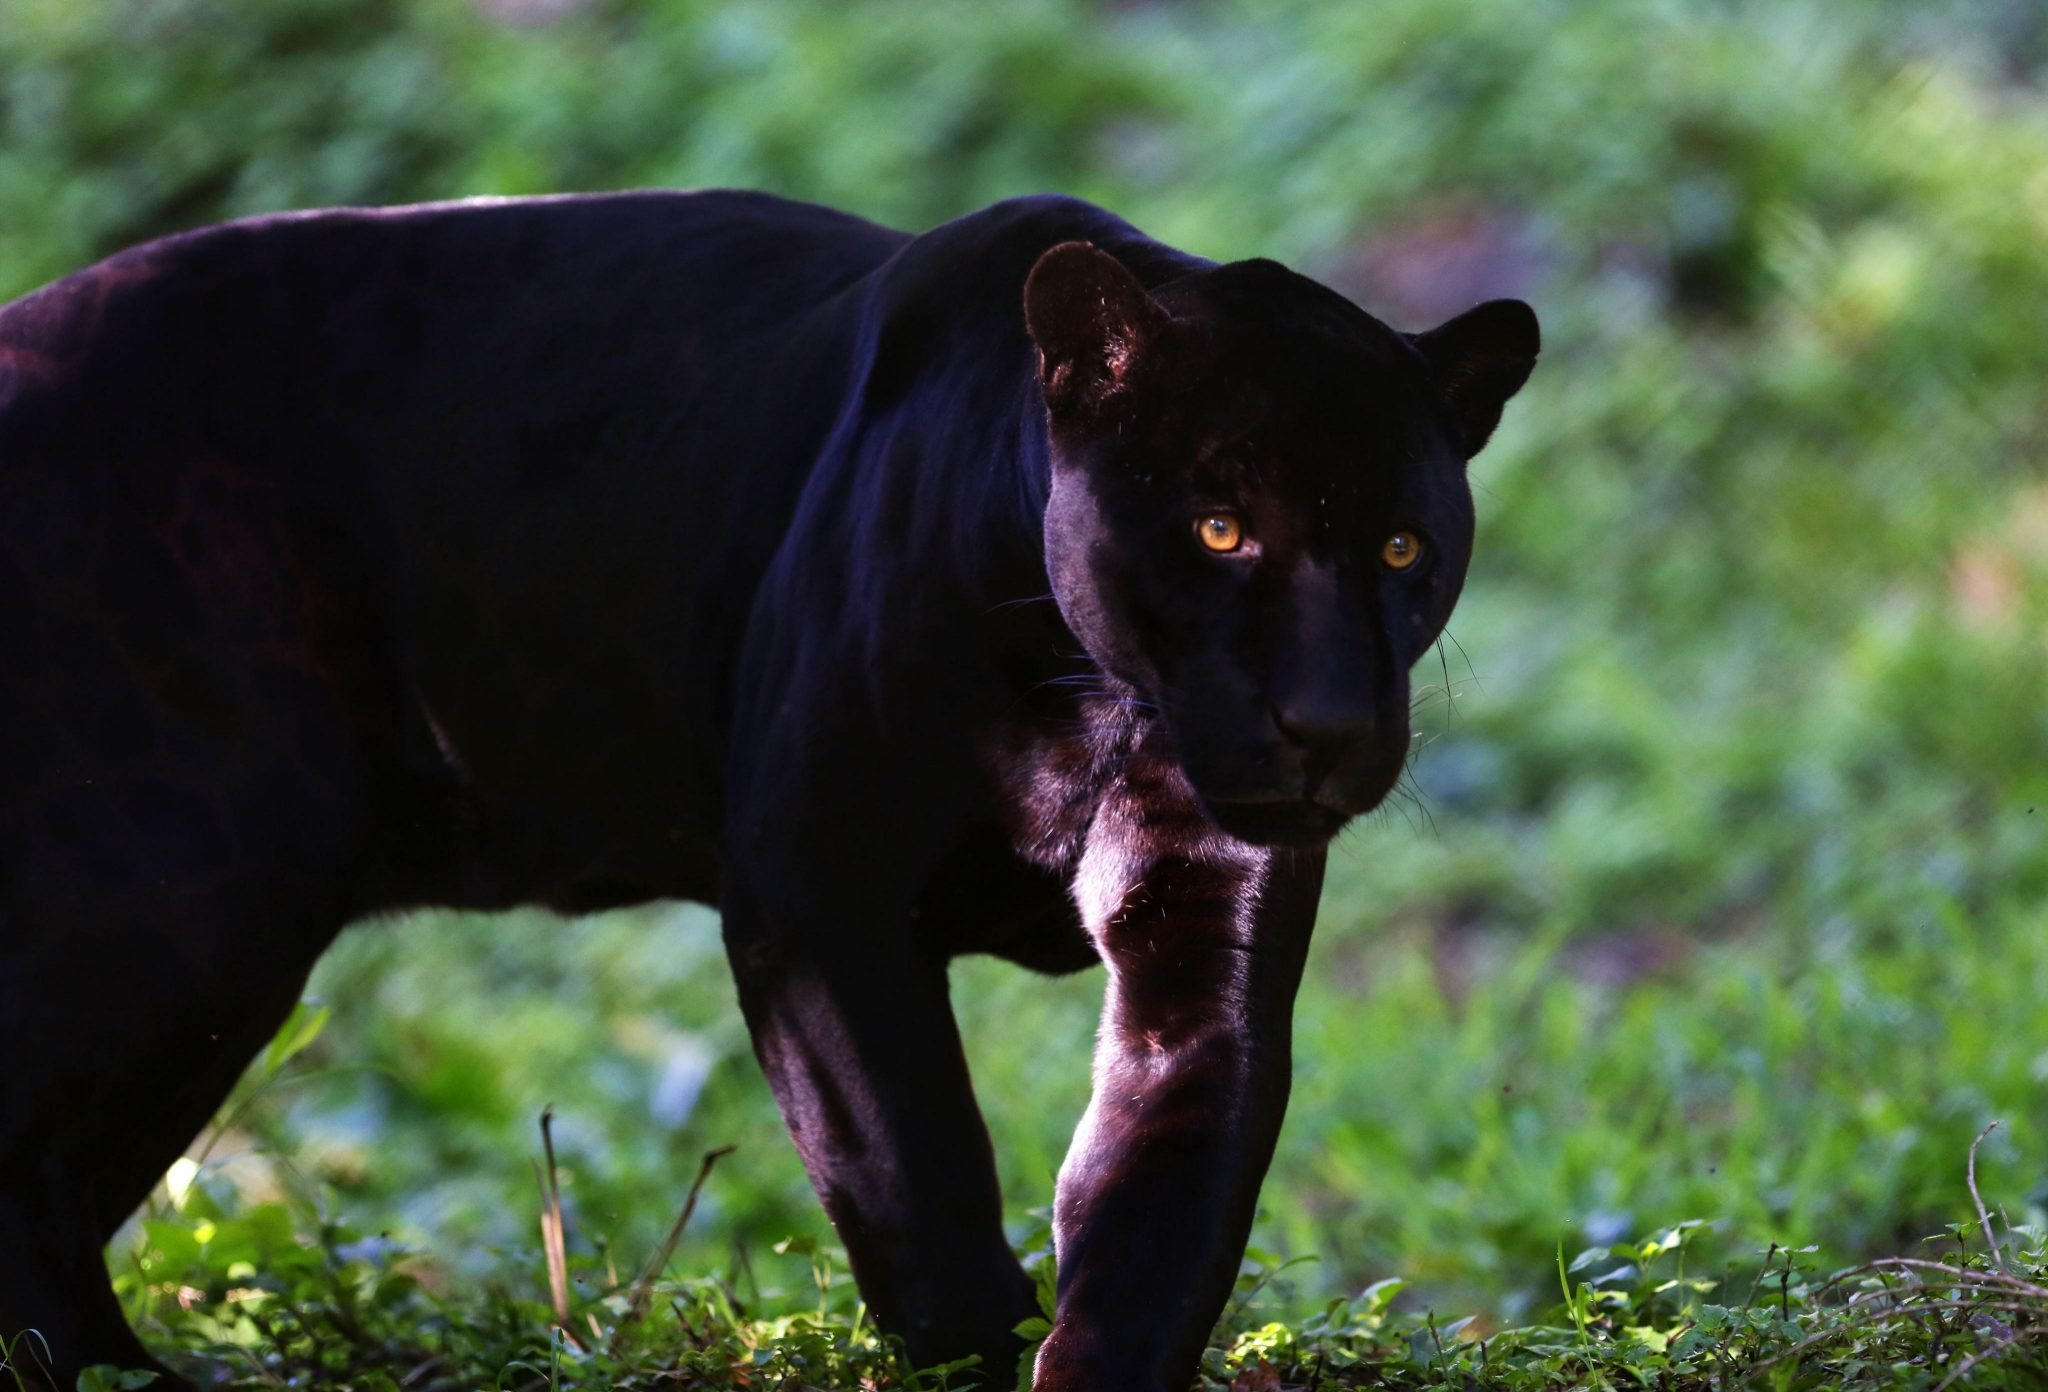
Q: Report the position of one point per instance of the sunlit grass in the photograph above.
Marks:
(1464, 1100)
(257, 1296)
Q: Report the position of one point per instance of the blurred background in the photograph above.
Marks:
(1725, 891)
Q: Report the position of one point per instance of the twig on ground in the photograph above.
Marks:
(552, 1241)
(1957, 1274)
(643, 1288)
(1983, 1218)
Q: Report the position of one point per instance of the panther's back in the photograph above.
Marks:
(394, 472)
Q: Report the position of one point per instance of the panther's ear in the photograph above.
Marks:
(1479, 360)
(1092, 321)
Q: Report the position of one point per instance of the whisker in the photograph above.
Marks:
(1413, 795)
(1450, 688)
(1452, 639)
(1429, 695)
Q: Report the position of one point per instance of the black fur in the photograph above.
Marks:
(589, 550)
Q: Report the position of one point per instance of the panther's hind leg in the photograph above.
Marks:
(180, 1113)
(58, 1315)
(124, 1020)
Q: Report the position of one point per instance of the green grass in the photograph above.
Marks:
(264, 1296)
(1463, 1103)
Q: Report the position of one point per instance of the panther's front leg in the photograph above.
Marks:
(851, 1023)
(1204, 938)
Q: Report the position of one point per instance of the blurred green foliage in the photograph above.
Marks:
(1731, 893)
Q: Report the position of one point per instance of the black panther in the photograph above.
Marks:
(1025, 587)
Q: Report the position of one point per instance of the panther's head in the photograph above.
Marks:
(1259, 517)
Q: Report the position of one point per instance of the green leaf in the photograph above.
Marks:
(1422, 1348)
(1375, 1298)
(1449, 1332)
(1691, 1342)
(105, 1377)
(173, 1243)
(1047, 1280)
(299, 1030)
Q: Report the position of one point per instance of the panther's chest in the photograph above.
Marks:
(1053, 769)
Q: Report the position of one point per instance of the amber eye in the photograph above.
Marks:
(1403, 549)
(1220, 531)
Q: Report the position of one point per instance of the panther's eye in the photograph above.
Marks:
(1403, 549)
(1220, 531)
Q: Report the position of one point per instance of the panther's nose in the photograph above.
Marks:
(1323, 732)
(1315, 723)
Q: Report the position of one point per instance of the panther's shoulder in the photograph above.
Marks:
(977, 263)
